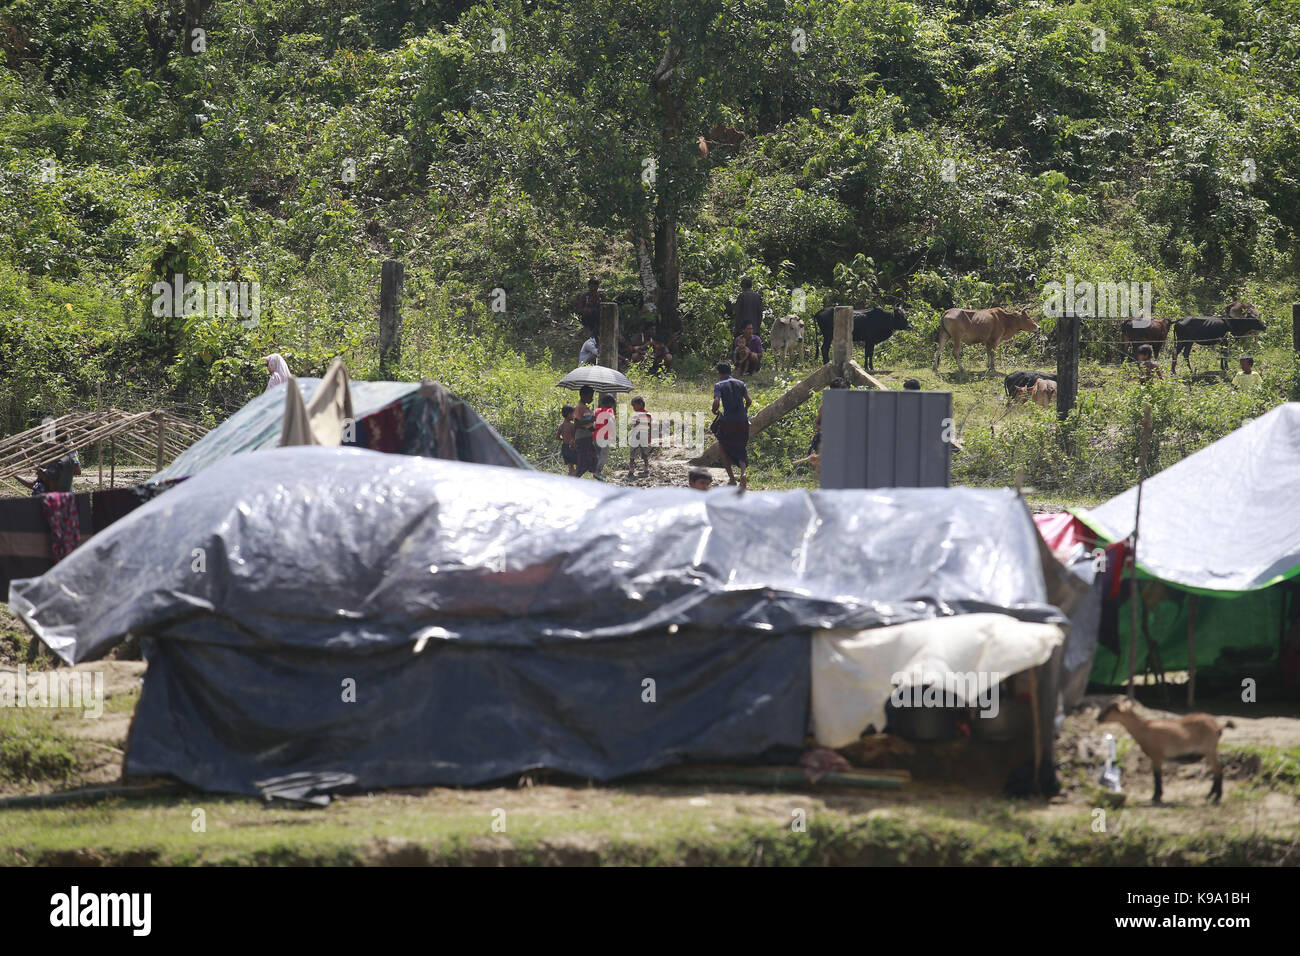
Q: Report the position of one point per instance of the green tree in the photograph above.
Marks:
(604, 109)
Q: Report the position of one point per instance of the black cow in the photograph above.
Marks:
(1019, 380)
(870, 326)
(1209, 330)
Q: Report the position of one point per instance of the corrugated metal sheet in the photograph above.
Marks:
(884, 439)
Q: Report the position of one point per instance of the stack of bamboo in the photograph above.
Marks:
(151, 438)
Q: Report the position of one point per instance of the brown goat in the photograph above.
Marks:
(1192, 735)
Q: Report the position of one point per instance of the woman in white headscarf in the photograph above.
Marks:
(279, 371)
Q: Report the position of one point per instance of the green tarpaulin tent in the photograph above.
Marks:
(410, 407)
(1222, 525)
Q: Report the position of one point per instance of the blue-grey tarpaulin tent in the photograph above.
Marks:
(394, 620)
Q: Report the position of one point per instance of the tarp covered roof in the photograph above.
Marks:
(495, 620)
(1226, 518)
(257, 425)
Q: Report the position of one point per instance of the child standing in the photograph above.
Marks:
(604, 433)
(638, 438)
(1247, 378)
(568, 439)
(1147, 367)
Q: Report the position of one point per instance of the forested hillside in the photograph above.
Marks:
(923, 153)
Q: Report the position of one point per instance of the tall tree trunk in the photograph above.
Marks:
(668, 269)
(666, 265)
(643, 238)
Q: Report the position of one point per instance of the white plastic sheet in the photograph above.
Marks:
(1224, 519)
(852, 671)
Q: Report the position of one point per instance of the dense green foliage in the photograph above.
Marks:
(928, 153)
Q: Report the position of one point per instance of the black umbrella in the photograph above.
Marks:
(599, 377)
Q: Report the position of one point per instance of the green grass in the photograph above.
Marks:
(1001, 443)
(34, 750)
(408, 829)
(1279, 768)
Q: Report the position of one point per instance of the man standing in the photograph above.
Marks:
(588, 307)
(749, 306)
(731, 399)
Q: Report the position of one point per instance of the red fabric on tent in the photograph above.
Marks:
(1062, 530)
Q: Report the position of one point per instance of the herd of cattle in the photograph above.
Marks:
(991, 327)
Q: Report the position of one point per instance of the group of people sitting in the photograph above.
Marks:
(633, 349)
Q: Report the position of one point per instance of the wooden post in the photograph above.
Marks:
(390, 317)
(607, 342)
(112, 465)
(99, 445)
(1038, 730)
(860, 377)
(842, 338)
(1067, 363)
(1192, 602)
(1295, 326)
(162, 431)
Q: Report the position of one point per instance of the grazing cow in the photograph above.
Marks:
(1209, 330)
(786, 338)
(1136, 332)
(1018, 380)
(870, 326)
(1043, 392)
(987, 327)
(1241, 310)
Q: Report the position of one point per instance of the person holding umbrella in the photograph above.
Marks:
(588, 379)
(584, 425)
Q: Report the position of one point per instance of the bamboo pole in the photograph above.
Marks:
(1132, 581)
(1038, 729)
(99, 445)
(162, 431)
(112, 465)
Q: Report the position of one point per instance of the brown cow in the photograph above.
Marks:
(1151, 332)
(987, 327)
(1043, 392)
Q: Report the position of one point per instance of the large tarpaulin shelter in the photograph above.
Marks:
(400, 417)
(1222, 524)
(392, 620)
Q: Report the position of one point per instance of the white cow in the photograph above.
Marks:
(786, 338)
